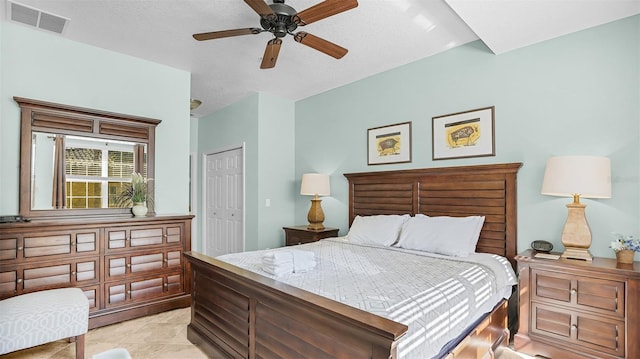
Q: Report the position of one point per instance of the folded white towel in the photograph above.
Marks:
(288, 261)
(277, 271)
(288, 255)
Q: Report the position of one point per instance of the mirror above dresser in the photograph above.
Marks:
(74, 161)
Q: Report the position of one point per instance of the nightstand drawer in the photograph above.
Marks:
(603, 334)
(590, 294)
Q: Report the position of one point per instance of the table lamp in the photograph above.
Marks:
(315, 184)
(577, 176)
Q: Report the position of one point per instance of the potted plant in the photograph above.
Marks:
(625, 248)
(135, 195)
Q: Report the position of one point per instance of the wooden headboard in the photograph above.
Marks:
(487, 190)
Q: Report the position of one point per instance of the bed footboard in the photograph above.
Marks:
(239, 314)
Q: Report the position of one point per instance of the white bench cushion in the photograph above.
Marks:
(41, 317)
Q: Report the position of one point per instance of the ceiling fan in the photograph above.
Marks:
(280, 20)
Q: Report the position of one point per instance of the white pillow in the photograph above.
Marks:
(453, 236)
(379, 230)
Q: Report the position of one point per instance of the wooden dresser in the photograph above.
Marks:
(578, 309)
(127, 267)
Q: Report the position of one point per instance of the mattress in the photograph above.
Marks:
(437, 297)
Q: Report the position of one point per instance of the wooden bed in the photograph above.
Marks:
(236, 313)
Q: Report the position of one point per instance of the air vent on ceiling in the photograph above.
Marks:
(31, 16)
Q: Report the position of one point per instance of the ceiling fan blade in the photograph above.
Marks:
(260, 7)
(226, 33)
(323, 10)
(271, 54)
(320, 44)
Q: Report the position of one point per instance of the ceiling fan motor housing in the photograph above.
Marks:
(282, 23)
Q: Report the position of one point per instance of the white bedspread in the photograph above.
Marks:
(436, 296)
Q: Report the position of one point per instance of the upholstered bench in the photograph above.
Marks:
(41, 317)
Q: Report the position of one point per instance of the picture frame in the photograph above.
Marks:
(389, 144)
(464, 134)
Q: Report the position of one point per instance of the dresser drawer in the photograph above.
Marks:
(141, 262)
(15, 280)
(122, 238)
(582, 293)
(144, 289)
(48, 244)
(602, 334)
(93, 296)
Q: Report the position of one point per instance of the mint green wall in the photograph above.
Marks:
(194, 182)
(231, 127)
(276, 169)
(264, 124)
(42, 66)
(578, 94)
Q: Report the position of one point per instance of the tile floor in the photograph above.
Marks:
(159, 336)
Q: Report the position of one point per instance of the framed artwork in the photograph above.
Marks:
(464, 134)
(389, 144)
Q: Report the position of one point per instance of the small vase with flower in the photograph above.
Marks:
(625, 248)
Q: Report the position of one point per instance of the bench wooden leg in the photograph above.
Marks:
(80, 346)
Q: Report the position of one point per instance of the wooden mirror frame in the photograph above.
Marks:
(40, 116)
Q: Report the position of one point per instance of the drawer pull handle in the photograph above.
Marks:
(73, 273)
(573, 292)
(73, 244)
(20, 248)
(19, 280)
(129, 292)
(166, 284)
(128, 265)
(574, 327)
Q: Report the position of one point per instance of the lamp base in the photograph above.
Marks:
(315, 215)
(315, 226)
(576, 236)
(578, 253)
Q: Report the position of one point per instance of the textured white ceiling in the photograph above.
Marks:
(505, 25)
(380, 35)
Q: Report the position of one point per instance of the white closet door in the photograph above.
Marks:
(224, 202)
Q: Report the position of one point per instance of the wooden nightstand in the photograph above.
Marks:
(577, 309)
(300, 234)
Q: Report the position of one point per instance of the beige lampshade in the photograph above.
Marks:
(315, 184)
(586, 176)
(577, 176)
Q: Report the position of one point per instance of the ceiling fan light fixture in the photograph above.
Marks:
(195, 103)
(279, 30)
